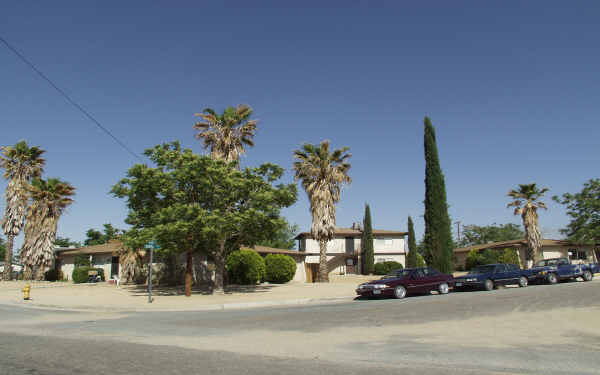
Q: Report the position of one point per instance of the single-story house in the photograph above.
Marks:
(344, 251)
(106, 256)
(16, 267)
(576, 252)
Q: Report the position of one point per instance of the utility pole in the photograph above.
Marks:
(458, 229)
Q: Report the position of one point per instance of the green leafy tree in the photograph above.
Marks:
(66, 242)
(21, 164)
(96, 237)
(420, 261)
(367, 243)
(479, 235)
(284, 238)
(584, 210)
(322, 174)
(411, 258)
(2, 248)
(526, 203)
(190, 203)
(438, 234)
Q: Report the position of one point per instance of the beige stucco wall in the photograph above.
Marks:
(103, 261)
(300, 274)
(382, 257)
(381, 244)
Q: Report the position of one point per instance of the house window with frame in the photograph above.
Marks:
(576, 254)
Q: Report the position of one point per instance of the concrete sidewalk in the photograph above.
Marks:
(105, 297)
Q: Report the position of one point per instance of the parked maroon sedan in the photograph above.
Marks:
(400, 283)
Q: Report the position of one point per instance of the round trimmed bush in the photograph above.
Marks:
(281, 268)
(384, 268)
(245, 267)
(80, 274)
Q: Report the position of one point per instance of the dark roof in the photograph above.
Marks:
(112, 247)
(271, 250)
(515, 243)
(349, 232)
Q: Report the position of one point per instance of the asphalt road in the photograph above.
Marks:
(535, 330)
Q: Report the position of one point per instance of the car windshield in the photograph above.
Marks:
(397, 273)
(482, 269)
(547, 262)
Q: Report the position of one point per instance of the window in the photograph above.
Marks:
(431, 272)
(576, 254)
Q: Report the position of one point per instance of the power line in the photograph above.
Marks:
(64, 94)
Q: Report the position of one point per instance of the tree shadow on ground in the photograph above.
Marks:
(205, 289)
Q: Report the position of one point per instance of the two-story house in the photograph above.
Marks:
(344, 250)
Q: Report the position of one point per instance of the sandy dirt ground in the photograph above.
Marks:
(108, 297)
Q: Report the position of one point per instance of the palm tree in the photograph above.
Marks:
(227, 134)
(525, 201)
(20, 163)
(49, 199)
(322, 175)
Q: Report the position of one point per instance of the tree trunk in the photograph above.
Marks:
(188, 274)
(27, 272)
(8, 257)
(219, 258)
(533, 234)
(323, 271)
(39, 273)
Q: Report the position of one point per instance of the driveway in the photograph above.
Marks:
(548, 329)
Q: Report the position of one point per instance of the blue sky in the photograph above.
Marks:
(511, 87)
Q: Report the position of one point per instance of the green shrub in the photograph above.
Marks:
(488, 256)
(420, 260)
(510, 256)
(384, 268)
(245, 267)
(80, 274)
(281, 268)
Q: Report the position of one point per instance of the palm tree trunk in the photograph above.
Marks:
(533, 235)
(188, 274)
(8, 257)
(323, 272)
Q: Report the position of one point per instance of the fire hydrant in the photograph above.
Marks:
(26, 291)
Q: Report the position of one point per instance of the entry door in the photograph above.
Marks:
(114, 268)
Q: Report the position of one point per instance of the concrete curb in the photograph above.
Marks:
(212, 307)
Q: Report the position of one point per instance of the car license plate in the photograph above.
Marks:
(376, 291)
(459, 284)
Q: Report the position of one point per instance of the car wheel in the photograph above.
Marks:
(443, 288)
(552, 279)
(400, 292)
(523, 282)
(587, 276)
(488, 285)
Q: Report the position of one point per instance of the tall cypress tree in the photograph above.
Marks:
(438, 234)
(411, 258)
(368, 259)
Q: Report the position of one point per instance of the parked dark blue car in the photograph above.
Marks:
(554, 270)
(488, 276)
